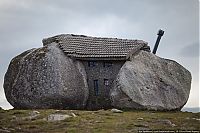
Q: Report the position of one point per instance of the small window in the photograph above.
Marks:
(96, 87)
(92, 63)
(107, 64)
(106, 82)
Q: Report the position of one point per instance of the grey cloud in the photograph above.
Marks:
(24, 23)
(191, 50)
(4, 103)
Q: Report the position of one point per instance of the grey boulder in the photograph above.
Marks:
(46, 78)
(150, 82)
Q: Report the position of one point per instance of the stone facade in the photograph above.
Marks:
(102, 59)
(100, 79)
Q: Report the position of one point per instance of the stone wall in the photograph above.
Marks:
(101, 72)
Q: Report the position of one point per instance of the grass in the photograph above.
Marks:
(101, 121)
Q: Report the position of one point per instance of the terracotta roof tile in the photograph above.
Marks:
(80, 46)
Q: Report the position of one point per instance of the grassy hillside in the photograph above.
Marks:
(102, 121)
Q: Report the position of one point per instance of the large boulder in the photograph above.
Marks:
(150, 82)
(46, 78)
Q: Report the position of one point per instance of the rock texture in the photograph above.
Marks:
(46, 78)
(57, 117)
(150, 82)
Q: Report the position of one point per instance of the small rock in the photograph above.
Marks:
(99, 121)
(18, 128)
(173, 125)
(116, 111)
(196, 119)
(57, 117)
(166, 122)
(187, 118)
(74, 115)
(140, 118)
(33, 114)
(4, 130)
(14, 117)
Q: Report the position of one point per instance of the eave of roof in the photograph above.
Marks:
(80, 46)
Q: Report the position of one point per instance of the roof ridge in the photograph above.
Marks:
(54, 38)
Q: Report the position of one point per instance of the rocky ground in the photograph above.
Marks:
(101, 121)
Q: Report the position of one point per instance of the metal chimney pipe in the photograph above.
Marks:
(160, 34)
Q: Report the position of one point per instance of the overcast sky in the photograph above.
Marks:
(24, 23)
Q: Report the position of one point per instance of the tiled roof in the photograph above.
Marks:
(80, 46)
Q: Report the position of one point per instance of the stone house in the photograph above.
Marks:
(102, 59)
(82, 72)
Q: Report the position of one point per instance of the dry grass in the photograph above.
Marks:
(102, 121)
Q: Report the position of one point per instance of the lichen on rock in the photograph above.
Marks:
(153, 83)
(45, 78)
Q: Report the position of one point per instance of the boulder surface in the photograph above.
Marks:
(46, 78)
(150, 82)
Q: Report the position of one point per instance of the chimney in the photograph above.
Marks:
(160, 34)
